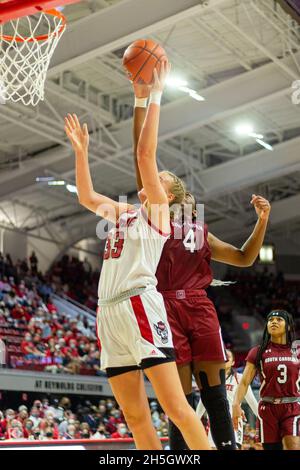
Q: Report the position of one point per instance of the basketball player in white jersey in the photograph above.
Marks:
(132, 323)
(232, 381)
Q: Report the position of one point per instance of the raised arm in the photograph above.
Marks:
(141, 94)
(157, 197)
(95, 202)
(245, 256)
(247, 377)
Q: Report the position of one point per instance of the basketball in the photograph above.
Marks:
(141, 58)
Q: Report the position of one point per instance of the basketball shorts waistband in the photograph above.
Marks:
(279, 401)
(124, 296)
(183, 293)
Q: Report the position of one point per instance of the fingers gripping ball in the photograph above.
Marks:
(141, 58)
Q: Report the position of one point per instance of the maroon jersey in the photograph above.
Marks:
(280, 371)
(185, 260)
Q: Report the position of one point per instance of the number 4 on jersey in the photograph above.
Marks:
(189, 241)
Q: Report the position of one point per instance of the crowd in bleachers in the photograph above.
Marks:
(76, 279)
(59, 420)
(260, 292)
(35, 334)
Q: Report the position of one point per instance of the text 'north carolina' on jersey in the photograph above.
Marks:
(280, 371)
(185, 260)
(132, 252)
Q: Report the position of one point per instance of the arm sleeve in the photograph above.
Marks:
(251, 400)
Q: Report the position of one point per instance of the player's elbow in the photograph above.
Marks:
(85, 200)
(144, 152)
(245, 261)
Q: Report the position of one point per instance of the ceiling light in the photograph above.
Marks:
(264, 144)
(56, 183)
(244, 129)
(71, 188)
(196, 96)
(176, 82)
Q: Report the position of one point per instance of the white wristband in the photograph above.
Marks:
(155, 97)
(140, 102)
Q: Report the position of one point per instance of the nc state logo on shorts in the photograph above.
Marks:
(162, 331)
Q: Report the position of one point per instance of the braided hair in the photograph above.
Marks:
(177, 188)
(289, 331)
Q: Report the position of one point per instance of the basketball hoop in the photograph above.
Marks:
(26, 47)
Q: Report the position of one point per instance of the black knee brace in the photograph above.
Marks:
(175, 437)
(215, 401)
(273, 446)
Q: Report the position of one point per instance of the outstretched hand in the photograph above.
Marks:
(237, 415)
(77, 134)
(159, 79)
(262, 206)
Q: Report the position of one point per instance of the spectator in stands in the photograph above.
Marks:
(22, 416)
(33, 263)
(85, 328)
(101, 433)
(46, 330)
(28, 429)
(2, 426)
(38, 404)
(39, 345)
(56, 410)
(28, 348)
(35, 417)
(85, 431)
(69, 418)
(121, 432)
(71, 432)
(47, 434)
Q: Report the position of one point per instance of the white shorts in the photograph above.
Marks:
(133, 331)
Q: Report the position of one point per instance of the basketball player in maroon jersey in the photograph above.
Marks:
(183, 274)
(279, 370)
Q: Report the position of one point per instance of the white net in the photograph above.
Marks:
(26, 47)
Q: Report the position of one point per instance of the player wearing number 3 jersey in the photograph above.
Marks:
(277, 361)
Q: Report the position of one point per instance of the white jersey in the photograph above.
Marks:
(232, 383)
(132, 253)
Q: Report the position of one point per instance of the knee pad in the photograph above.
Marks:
(215, 401)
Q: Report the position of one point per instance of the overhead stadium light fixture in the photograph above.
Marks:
(266, 254)
(181, 85)
(71, 188)
(264, 144)
(44, 179)
(176, 82)
(246, 130)
(56, 183)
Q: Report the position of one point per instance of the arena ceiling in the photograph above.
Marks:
(242, 56)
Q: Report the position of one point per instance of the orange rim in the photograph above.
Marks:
(42, 37)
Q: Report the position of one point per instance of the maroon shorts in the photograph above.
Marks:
(277, 421)
(195, 326)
